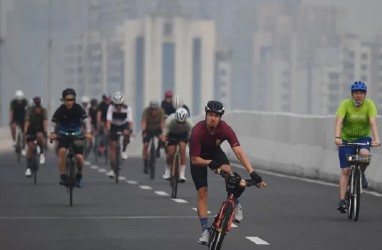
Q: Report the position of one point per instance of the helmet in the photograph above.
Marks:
(19, 94)
(85, 99)
(154, 104)
(181, 115)
(168, 93)
(68, 91)
(215, 107)
(93, 102)
(177, 102)
(36, 101)
(118, 98)
(359, 86)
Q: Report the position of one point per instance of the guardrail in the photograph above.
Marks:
(5, 139)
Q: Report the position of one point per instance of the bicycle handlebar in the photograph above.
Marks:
(348, 144)
(72, 135)
(248, 182)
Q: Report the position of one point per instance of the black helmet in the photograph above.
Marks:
(68, 91)
(215, 107)
(93, 102)
(37, 101)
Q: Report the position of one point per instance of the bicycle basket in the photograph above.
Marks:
(358, 159)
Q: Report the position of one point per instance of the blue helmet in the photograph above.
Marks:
(358, 86)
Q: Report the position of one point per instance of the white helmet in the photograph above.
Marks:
(85, 99)
(118, 98)
(19, 94)
(177, 102)
(181, 115)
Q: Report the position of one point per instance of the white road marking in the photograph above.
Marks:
(196, 210)
(94, 167)
(257, 241)
(162, 193)
(122, 178)
(102, 170)
(92, 217)
(87, 163)
(145, 187)
(131, 182)
(180, 200)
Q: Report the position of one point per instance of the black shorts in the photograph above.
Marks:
(115, 128)
(150, 134)
(199, 173)
(32, 133)
(174, 139)
(78, 145)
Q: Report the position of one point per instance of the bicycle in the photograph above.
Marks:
(152, 157)
(35, 160)
(19, 142)
(358, 164)
(70, 163)
(117, 166)
(174, 173)
(224, 219)
(102, 148)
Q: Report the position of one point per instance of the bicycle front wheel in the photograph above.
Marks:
(216, 241)
(175, 176)
(350, 196)
(357, 194)
(117, 163)
(152, 159)
(70, 178)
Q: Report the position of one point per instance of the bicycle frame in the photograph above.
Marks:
(117, 166)
(34, 161)
(19, 142)
(152, 155)
(174, 173)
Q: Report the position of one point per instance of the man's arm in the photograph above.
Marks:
(240, 155)
(374, 130)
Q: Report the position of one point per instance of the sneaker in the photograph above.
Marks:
(166, 175)
(124, 155)
(238, 214)
(23, 152)
(182, 178)
(78, 183)
(63, 180)
(111, 174)
(204, 238)
(42, 158)
(342, 206)
(28, 173)
(365, 183)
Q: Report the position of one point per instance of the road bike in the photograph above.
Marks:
(118, 162)
(19, 142)
(223, 220)
(34, 162)
(174, 173)
(101, 145)
(152, 156)
(358, 164)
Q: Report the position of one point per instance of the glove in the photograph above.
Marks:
(255, 177)
(213, 165)
(231, 184)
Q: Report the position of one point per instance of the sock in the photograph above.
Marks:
(204, 223)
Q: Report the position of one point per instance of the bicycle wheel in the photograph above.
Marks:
(152, 159)
(117, 162)
(350, 196)
(218, 237)
(357, 194)
(18, 147)
(95, 148)
(70, 177)
(175, 176)
(35, 167)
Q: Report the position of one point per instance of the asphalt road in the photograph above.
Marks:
(137, 214)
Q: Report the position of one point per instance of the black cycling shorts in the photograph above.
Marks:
(31, 134)
(150, 134)
(115, 128)
(78, 145)
(199, 173)
(174, 139)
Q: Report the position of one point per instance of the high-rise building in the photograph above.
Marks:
(168, 50)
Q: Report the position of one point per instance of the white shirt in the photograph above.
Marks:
(119, 117)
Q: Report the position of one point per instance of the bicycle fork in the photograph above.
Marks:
(218, 219)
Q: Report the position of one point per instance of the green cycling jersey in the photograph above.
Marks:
(356, 121)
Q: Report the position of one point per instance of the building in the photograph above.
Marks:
(168, 50)
(223, 77)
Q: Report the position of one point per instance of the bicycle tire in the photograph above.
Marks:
(220, 233)
(357, 194)
(95, 148)
(34, 167)
(152, 159)
(175, 176)
(70, 177)
(18, 147)
(117, 162)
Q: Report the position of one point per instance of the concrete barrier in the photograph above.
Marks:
(5, 139)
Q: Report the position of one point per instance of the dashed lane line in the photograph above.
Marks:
(257, 240)
(196, 210)
(180, 200)
(144, 187)
(132, 182)
(162, 193)
(102, 170)
(94, 167)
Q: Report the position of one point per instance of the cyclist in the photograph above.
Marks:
(101, 120)
(36, 128)
(152, 124)
(356, 116)
(166, 104)
(119, 118)
(178, 103)
(18, 108)
(205, 151)
(85, 105)
(69, 117)
(177, 131)
(92, 113)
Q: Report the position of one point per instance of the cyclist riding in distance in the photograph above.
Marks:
(166, 104)
(85, 100)
(205, 151)
(69, 117)
(178, 103)
(119, 118)
(176, 131)
(152, 124)
(18, 108)
(92, 114)
(36, 128)
(356, 116)
(102, 111)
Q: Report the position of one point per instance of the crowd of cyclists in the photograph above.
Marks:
(169, 121)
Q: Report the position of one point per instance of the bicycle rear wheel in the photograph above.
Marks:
(175, 176)
(117, 163)
(34, 167)
(152, 159)
(357, 194)
(216, 241)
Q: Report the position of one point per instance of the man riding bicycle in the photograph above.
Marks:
(152, 124)
(69, 117)
(356, 116)
(36, 128)
(205, 151)
(176, 131)
(119, 118)
(101, 121)
(18, 108)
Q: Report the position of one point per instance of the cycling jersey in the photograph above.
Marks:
(93, 116)
(119, 118)
(167, 107)
(153, 123)
(173, 127)
(36, 120)
(204, 144)
(69, 120)
(19, 109)
(356, 123)
(103, 107)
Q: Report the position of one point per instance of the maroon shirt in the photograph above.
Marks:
(203, 144)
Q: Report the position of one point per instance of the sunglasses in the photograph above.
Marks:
(69, 100)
